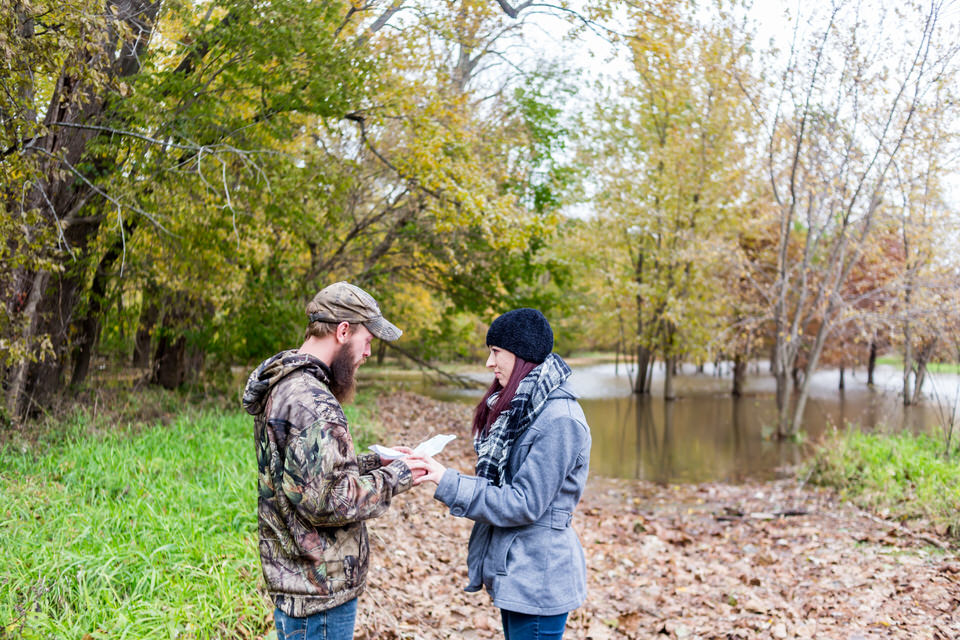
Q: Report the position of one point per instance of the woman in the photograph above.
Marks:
(533, 451)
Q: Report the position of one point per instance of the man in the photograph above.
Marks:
(314, 491)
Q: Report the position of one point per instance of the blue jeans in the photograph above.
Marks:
(332, 624)
(521, 626)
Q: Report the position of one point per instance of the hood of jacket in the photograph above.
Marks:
(273, 370)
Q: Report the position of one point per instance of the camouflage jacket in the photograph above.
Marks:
(314, 491)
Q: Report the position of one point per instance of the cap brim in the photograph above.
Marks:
(383, 329)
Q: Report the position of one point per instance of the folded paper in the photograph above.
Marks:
(430, 447)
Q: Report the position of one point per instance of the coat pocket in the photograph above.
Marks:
(499, 548)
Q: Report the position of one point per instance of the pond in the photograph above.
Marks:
(706, 435)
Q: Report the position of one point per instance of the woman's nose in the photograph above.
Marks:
(490, 362)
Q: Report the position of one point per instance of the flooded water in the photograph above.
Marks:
(706, 435)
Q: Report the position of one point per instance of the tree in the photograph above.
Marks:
(919, 205)
(844, 109)
(101, 112)
(671, 166)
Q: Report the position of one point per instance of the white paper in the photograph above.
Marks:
(386, 452)
(434, 445)
(430, 447)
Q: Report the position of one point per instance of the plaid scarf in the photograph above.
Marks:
(493, 450)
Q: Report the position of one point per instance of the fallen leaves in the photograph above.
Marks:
(682, 561)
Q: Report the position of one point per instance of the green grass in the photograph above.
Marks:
(144, 532)
(932, 367)
(906, 476)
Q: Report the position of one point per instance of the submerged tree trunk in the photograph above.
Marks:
(923, 357)
(668, 376)
(739, 374)
(784, 398)
(907, 355)
(641, 385)
(919, 379)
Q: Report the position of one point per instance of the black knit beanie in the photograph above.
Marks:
(523, 332)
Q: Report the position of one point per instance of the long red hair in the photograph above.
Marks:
(484, 416)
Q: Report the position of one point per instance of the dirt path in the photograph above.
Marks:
(688, 561)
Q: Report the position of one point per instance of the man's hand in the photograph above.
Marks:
(386, 461)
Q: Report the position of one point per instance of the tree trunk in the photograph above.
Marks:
(174, 364)
(17, 398)
(170, 361)
(739, 374)
(797, 420)
(871, 363)
(842, 382)
(796, 376)
(641, 385)
(668, 391)
(53, 318)
(921, 376)
(924, 355)
(88, 328)
(149, 313)
(907, 357)
(784, 398)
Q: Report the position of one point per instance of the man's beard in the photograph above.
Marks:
(343, 369)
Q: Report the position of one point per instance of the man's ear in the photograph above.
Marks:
(343, 332)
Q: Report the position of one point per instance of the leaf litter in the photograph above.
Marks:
(769, 560)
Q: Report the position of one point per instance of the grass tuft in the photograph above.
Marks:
(905, 476)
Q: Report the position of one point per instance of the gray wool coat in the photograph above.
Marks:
(522, 548)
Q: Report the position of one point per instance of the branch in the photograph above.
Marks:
(511, 11)
(461, 381)
(131, 134)
(385, 16)
(105, 195)
(204, 43)
(360, 120)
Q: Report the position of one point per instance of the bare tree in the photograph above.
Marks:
(847, 101)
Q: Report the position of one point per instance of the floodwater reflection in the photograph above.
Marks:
(706, 435)
(698, 439)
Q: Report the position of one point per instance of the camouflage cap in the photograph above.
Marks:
(344, 302)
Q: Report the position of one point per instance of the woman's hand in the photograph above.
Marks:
(425, 469)
(385, 461)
